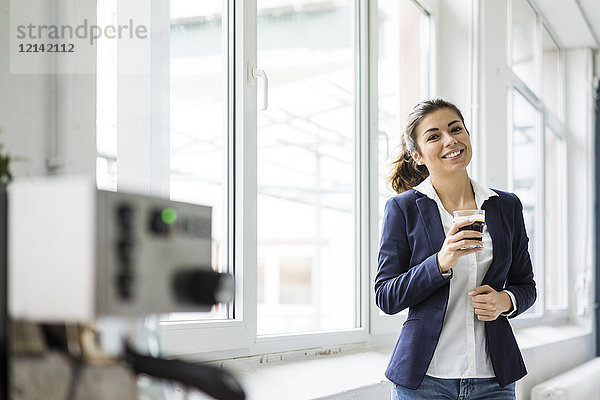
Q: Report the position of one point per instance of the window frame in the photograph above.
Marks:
(217, 336)
(546, 120)
(560, 117)
(217, 339)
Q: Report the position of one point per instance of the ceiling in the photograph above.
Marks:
(575, 22)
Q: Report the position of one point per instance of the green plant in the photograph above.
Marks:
(5, 159)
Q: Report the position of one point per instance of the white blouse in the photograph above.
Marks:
(461, 351)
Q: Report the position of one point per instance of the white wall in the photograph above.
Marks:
(453, 53)
(25, 102)
(47, 115)
(472, 72)
(492, 91)
(545, 361)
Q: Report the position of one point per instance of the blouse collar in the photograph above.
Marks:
(482, 193)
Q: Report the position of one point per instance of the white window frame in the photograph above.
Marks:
(238, 337)
(546, 119)
(229, 338)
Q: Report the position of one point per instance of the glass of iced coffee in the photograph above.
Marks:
(478, 218)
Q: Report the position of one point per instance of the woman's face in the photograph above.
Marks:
(443, 142)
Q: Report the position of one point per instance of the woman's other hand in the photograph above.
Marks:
(488, 303)
(455, 243)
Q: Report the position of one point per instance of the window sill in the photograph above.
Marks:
(345, 372)
(538, 336)
(339, 372)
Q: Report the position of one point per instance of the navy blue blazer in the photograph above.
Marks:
(409, 277)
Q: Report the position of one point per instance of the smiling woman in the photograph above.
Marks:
(431, 266)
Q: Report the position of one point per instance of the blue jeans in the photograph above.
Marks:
(455, 389)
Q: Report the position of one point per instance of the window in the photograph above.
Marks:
(526, 169)
(538, 153)
(289, 182)
(523, 44)
(306, 167)
(554, 216)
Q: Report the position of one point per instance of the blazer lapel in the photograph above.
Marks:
(493, 222)
(432, 222)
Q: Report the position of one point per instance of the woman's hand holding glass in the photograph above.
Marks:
(458, 244)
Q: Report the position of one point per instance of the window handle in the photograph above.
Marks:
(254, 74)
(260, 73)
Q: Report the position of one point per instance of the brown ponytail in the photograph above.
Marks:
(406, 173)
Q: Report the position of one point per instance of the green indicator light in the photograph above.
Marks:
(168, 215)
